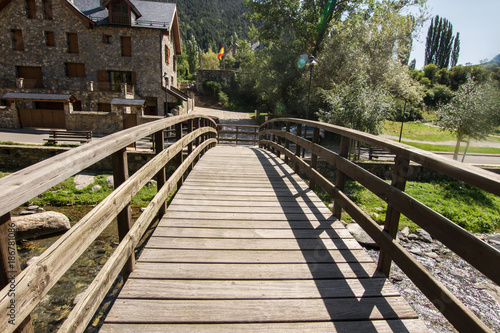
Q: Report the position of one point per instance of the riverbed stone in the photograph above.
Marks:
(40, 224)
(96, 188)
(423, 235)
(110, 181)
(361, 236)
(82, 181)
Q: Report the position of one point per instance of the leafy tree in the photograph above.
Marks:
(439, 43)
(209, 60)
(183, 66)
(193, 53)
(356, 105)
(473, 112)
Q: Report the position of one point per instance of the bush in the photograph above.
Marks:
(212, 88)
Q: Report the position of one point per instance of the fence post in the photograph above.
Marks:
(9, 265)
(314, 157)
(399, 177)
(297, 146)
(124, 218)
(343, 152)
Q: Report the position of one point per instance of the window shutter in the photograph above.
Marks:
(47, 10)
(72, 42)
(102, 80)
(17, 40)
(126, 46)
(31, 8)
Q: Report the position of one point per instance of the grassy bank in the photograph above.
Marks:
(471, 208)
(451, 149)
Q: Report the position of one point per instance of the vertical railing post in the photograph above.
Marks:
(287, 141)
(124, 218)
(314, 157)
(297, 146)
(161, 178)
(180, 155)
(399, 177)
(340, 183)
(237, 134)
(190, 145)
(10, 268)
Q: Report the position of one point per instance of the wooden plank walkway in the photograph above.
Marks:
(246, 247)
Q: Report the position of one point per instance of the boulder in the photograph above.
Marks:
(40, 224)
(423, 235)
(361, 236)
(82, 181)
(110, 181)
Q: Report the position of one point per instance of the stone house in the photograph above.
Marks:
(100, 65)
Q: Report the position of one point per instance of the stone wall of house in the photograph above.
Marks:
(97, 122)
(147, 60)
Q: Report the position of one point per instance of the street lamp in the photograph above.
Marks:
(311, 63)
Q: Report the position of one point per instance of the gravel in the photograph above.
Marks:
(465, 282)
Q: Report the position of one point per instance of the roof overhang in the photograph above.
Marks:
(177, 35)
(177, 93)
(128, 102)
(39, 97)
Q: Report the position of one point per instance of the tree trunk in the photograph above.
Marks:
(457, 147)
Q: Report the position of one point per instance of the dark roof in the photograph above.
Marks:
(150, 14)
(39, 97)
(128, 102)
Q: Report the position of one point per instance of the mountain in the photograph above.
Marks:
(495, 60)
(212, 22)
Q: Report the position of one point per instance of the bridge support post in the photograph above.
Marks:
(161, 177)
(124, 218)
(180, 156)
(287, 142)
(9, 266)
(343, 152)
(314, 157)
(399, 177)
(297, 146)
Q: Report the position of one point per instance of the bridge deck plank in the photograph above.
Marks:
(247, 246)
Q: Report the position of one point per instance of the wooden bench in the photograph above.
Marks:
(378, 152)
(72, 136)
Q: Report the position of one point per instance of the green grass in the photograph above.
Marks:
(448, 148)
(471, 208)
(65, 194)
(417, 131)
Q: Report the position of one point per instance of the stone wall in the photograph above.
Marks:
(19, 157)
(221, 76)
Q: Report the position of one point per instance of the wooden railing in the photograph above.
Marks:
(22, 291)
(479, 254)
(238, 133)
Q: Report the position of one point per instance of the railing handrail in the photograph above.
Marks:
(472, 175)
(36, 280)
(478, 253)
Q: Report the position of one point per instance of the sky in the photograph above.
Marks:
(478, 22)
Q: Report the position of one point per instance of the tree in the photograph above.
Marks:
(209, 60)
(471, 113)
(456, 50)
(439, 42)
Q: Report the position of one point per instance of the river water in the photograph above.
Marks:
(58, 303)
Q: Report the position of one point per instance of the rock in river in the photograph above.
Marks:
(41, 224)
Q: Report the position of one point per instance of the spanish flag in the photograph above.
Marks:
(221, 53)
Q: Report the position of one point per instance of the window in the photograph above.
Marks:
(104, 107)
(119, 12)
(72, 42)
(75, 69)
(167, 55)
(17, 40)
(175, 63)
(47, 10)
(106, 39)
(126, 46)
(31, 8)
(112, 80)
(49, 38)
(32, 76)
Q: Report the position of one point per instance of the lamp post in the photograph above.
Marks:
(311, 63)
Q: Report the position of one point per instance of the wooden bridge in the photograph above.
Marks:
(245, 245)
